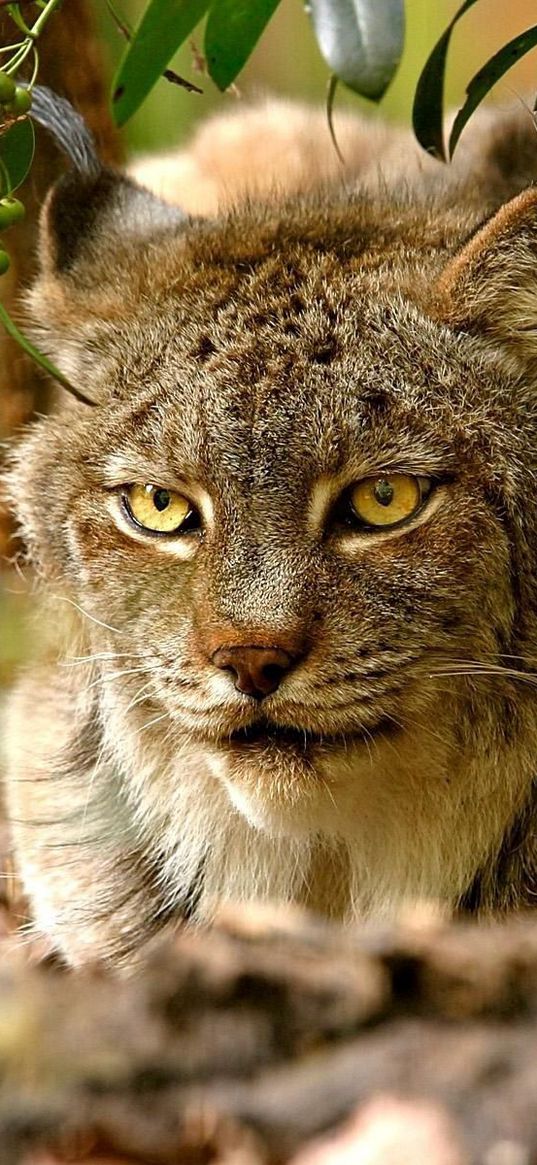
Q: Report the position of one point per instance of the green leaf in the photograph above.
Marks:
(428, 108)
(361, 41)
(487, 76)
(17, 144)
(164, 26)
(232, 31)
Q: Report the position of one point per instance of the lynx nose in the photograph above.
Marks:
(258, 671)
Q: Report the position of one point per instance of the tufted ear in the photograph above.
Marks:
(96, 242)
(91, 205)
(491, 285)
(97, 228)
(88, 218)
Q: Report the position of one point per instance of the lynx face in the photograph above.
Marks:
(296, 520)
(335, 626)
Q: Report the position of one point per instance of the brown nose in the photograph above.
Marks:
(257, 670)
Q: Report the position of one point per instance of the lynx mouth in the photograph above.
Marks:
(263, 734)
(266, 734)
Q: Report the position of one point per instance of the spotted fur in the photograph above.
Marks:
(265, 358)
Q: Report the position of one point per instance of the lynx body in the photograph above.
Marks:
(277, 697)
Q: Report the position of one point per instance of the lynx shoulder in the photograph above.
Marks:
(287, 547)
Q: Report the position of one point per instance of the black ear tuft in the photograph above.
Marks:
(68, 129)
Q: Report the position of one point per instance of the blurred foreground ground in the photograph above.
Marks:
(274, 1040)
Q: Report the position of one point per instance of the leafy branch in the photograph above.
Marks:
(361, 41)
(428, 110)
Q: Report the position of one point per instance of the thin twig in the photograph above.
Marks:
(127, 33)
(175, 79)
(330, 97)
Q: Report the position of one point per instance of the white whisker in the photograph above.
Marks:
(107, 677)
(87, 614)
(73, 661)
(149, 723)
(139, 697)
(496, 672)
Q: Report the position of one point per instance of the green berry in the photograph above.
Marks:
(7, 88)
(20, 103)
(11, 211)
(4, 262)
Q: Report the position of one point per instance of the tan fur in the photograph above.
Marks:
(330, 326)
(270, 147)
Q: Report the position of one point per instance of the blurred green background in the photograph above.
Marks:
(287, 62)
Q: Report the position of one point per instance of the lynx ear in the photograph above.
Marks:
(87, 217)
(491, 285)
(96, 229)
(91, 207)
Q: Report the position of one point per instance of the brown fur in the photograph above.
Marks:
(263, 360)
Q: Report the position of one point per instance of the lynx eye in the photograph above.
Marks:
(380, 502)
(158, 510)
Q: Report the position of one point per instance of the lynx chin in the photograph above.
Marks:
(287, 544)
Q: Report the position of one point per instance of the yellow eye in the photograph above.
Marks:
(162, 511)
(387, 500)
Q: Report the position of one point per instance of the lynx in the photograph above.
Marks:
(285, 532)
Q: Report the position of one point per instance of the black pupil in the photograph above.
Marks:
(161, 499)
(383, 493)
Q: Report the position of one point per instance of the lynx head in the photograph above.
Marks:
(300, 514)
